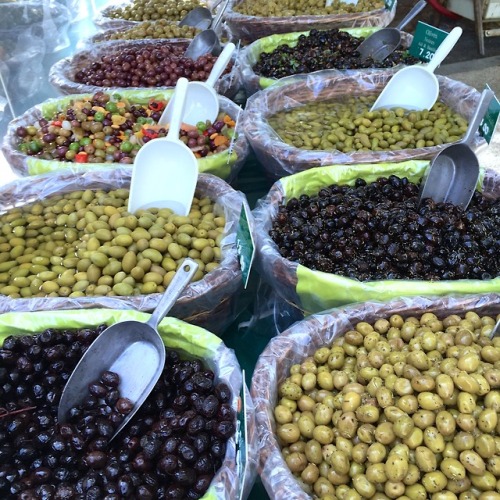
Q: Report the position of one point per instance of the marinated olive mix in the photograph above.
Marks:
(350, 126)
(402, 408)
(106, 128)
(145, 65)
(150, 10)
(85, 243)
(286, 8)
(331, 49)
(171, 448)
(151, 29)
(377, 231)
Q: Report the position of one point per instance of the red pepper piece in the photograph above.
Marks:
(81, 157)
(156, 105)
(57, 123)
(152, 134)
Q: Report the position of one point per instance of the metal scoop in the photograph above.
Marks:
(132, 349)
(202, 102)
(453, 174)
(416, 87)
(207, 42)
(165, 170)
(199, 17)
(384, 42)
(496, 330)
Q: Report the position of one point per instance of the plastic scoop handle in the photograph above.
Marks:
(444, 49)
(413, 12)
(178, 109)
(484, 102)
(221, 64)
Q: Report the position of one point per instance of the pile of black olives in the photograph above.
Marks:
(145, 65)
(171, 448)
(330, 49)
(377, 231)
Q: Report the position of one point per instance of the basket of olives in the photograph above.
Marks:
(395, 400)
(104, 130)
(336, 235)
(145, 30)
(68, 242)
(249, 20)
(278, 56)
(180, 444)
(324, 118)
(120, 14)
(136, 64)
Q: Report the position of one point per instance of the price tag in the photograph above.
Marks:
(241, 440)
(426, 40)
(389, 4)
(488, 125)
(245, 244)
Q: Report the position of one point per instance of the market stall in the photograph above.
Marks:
(324, 284)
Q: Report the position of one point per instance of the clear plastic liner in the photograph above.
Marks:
(314, 291)
(212, 303)
(225, 165)
(279, 159)
(28, 31)
(302, 339)
(190, 341)
(251, 28)
(62, 73)
(250, 56)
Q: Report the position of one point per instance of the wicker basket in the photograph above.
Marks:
(211, 303)
(62, 73)
(250, 28)
(302, 340)
(249, 57)
(225, 165)
(315, 291)
(279, 159)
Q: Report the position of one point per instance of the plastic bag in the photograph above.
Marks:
(315, 291)
(187, 339)
(301, 340)
(62, 73)
(225, 165)
(280, 159)
(251, 28)
(250, 55)
(211, 303)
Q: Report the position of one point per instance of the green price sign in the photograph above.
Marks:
(490, 120)
(245, 245)
(389, 4)
(426, 40)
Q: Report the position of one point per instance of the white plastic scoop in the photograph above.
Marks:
(416, 87)
(202, 102)
(165, 170)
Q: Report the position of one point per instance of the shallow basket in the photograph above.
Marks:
(225, 165)
(315, 291)
(251, 54)
(279, 158)
(251, 28)
(301, 340)
(62, 73)
(211, 303)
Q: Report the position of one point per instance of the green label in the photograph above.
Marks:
(245, 244)
(389, 4)
(490, 120)
(241, 440)
(426, 40)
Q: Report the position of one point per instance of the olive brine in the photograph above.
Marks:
(171, 448)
